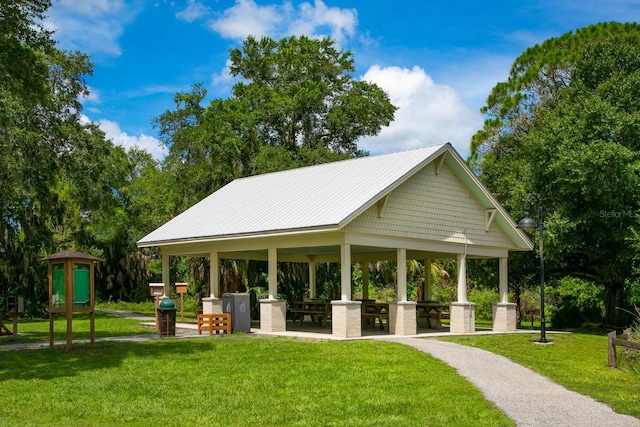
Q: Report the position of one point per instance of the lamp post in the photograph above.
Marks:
(528, 224)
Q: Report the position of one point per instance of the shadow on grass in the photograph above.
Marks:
(46, 364)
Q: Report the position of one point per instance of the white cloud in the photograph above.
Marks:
(194, 10)
(314, 19)
(92, 7)
(119, 137)
(92, 26)
(278, 20)
(223, 78)
(428, 113)
(247, 18)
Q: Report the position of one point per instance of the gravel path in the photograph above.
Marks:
(525, 396)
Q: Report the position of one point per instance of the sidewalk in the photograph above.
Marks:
(525, 396)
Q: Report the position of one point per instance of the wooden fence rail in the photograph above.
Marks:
(613, 339)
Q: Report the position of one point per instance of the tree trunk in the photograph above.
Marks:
(613, 298)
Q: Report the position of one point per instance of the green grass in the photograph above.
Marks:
(577, 361)
(237, 380)
(105, 326)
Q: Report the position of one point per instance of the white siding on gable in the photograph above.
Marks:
(432, 207)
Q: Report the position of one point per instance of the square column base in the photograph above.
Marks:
(273, 314)
(462, 317)
(346, 319)
(504, 317)
(211, 305)
(402, 318)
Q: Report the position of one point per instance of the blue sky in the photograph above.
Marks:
(438, 60)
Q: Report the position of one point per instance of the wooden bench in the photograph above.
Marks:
(373, 310)
(432, 311)
(321, 309)
(214, 322)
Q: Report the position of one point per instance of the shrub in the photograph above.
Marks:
(575, 301)
(484, 299)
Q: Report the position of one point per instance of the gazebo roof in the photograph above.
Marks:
(71, 254)
(321, 197)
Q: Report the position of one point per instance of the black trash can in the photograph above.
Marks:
(240, 309)
(166, 317)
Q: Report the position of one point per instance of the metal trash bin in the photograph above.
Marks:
(167, 317)
(239, 307)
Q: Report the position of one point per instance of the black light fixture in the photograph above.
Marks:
(529, 224)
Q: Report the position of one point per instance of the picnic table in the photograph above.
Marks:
(375, 310)
(314, 308)
(432, 310)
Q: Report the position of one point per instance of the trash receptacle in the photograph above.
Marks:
(166, 317)
(238, 306)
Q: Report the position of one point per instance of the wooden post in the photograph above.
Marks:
(15, 326)
(612, 349)
(613, 341)
(181, 289)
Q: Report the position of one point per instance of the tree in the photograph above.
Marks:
(296, 104)
(564, 127)
(60, 179)
(303, 94)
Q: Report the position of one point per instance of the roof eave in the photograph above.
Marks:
(249, 235)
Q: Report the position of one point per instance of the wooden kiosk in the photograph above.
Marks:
(71, 290)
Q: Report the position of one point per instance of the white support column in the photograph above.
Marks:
(402, 274)
(402, 313)
(462, 316)
(166, 274)
(365, 280)
(345, 271)
(312, 278)
(346, 314)
(214, 275)
(462, 278)
(273, 273)
(504, 312)
(503, 272)
(428, 281)
(213, 304)
(273, 311)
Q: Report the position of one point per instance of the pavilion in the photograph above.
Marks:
(422, 204)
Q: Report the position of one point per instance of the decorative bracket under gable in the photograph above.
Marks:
(439, 162)
(489, 215)
(382, 205)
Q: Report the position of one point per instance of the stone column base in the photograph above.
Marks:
(402, 318)
(273, 314)
(504, 317)
(346, 319)
(462, 317)
(211, 305)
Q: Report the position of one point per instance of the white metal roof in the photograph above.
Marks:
(320, 196)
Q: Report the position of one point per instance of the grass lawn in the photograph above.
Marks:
(577, 361)
(105, 326)
(237, 380)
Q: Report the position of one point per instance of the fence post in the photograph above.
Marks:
(612, 349)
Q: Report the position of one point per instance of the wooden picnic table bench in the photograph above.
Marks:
(432, 310)
(375, 310)
(319, 309)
